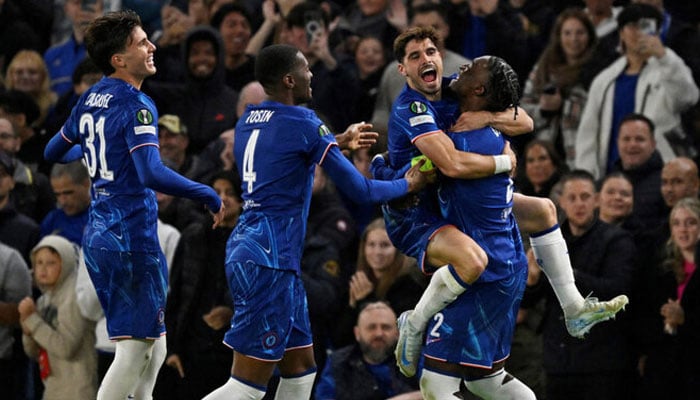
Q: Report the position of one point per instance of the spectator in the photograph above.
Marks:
(16, 230)
(62, 59)
(601, 255)
(604, 17)
(554, 94)
(488, 27)
(22, 111)
(642, 164)
(424, 15)
(383, 273)
(234, 24)
(333, 82)
(15, 284)
(649, 79)
(666, 361)
(369, 62)
(679, 179)
(203, 102)
(368, 18)
(173, 141)
(367, 369)
(218, 155)
(55, 333)
(32, 194)
(28, 73)
(616, 199)
(543, 168)
(71, 186)
(198, 309)
(85, 74)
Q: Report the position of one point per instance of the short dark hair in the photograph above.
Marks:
(18, 102)
(578, 175)
(108, 35)
(85, 67)
(232, 177)
(415, 33)
(639, 117)
(226, 9)
(635, 12)
(272, 63)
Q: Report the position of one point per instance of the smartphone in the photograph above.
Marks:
(647, 26)
(88, 5)
(313, 23)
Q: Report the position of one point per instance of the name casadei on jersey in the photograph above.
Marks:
(100, 100)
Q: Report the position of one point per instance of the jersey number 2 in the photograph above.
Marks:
(89, 128)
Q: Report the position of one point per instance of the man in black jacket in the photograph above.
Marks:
(367, 369)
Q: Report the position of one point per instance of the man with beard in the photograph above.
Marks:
(367, 369)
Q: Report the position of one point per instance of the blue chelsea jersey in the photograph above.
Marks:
(413, 117)
(110, 121)
(276, 147)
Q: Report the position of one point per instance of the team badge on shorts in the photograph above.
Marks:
(269, 340)
(418, 108)
(144, 116)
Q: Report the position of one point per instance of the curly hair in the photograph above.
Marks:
(503, 88)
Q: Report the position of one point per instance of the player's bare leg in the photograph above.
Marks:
(465, 262)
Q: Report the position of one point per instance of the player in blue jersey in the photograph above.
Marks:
(470, 339)
(277, 144)
(420, 116)
(114, 128)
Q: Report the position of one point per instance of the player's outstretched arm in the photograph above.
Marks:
(357, 136)
(153, 174)
(363, 190)
(439, 148)
(505, 121)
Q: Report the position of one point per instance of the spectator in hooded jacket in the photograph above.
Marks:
(203, 102)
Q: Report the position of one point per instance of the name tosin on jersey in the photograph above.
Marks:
(259, 116)
(98, 100)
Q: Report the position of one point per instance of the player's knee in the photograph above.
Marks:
(477, 261)
(547, 213)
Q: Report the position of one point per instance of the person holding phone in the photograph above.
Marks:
(649, 79)
(334, 83)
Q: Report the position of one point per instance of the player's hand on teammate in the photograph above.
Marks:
(357, 136)
(218, 317)
(218, 216)
(417, 179)
(173, 361)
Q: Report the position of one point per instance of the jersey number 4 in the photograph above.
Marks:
(93, 130)
(249, 175)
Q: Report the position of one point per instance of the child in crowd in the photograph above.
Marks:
(54, 331)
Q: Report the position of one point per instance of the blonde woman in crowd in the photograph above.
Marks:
(27, 73)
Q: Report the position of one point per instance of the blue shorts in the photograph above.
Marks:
(476, 329)
(132, 288)
(271, 314)
(410, 230)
